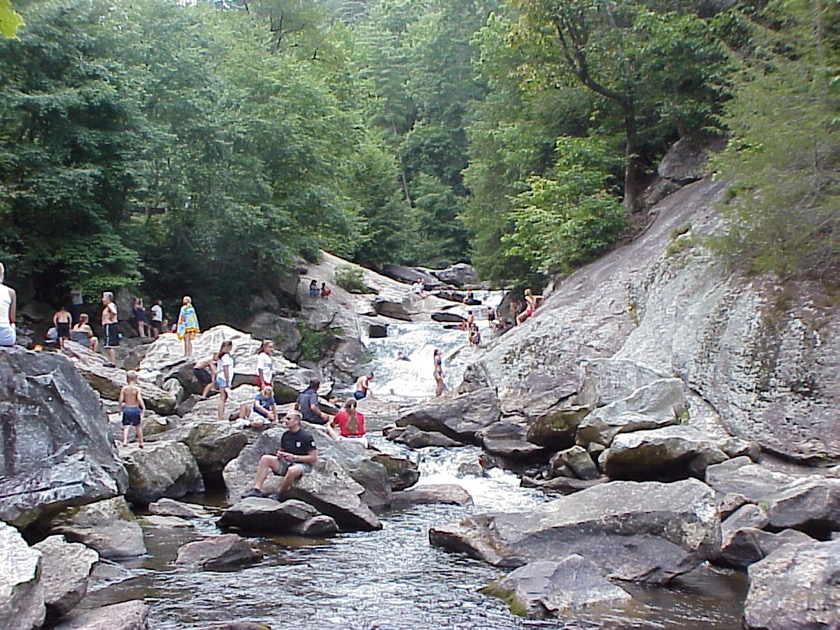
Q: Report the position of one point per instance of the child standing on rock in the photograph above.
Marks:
(132, 407)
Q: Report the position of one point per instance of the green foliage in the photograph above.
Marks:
(351, 279)
(784, 156)
(565, 220)
(10, 20)
(313, 344)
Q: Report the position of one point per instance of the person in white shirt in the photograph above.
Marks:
(265, 364)
(224, 377)
(8, 308)
(157, 318)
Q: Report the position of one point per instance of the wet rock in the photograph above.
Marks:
(652, 406)
(266, 515)
(109, 381)
(219, 553)
(161, 469)
(213, 445)
(167, 522)
(444, 493)
(320, 526)
(647, 532)
(106, 526)
(402, 473)
(458, 418)
(544, 588)
(21, 594)
(65, 570)
(811, 504)
(578, 461)
(508, 440)
(413, 437)
(795, 587)
(556, 430)
(171, 507)
(66, 456)
(562, 485)
(661, 454)
(131, 615)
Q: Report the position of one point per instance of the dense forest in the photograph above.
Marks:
(202, 149)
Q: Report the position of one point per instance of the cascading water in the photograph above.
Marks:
(393, 579)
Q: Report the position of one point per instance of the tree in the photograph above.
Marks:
(651, 67)
(10, 20)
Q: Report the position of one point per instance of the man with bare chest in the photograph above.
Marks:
(109, 324)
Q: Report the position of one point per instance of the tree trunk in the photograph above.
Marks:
(631, 166)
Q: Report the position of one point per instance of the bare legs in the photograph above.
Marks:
(271, 463)
(188, 349)
(223, 395)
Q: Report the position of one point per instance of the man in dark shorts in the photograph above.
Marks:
(62, 320)
(291, 461)
(109, 324)
(308, 404)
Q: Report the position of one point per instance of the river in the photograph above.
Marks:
(393, 579)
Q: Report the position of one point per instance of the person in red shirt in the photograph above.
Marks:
(351, 423)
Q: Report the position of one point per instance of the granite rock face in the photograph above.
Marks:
(21, 594)
(57, 451)
(769, 369)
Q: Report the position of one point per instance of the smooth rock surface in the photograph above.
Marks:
(219, 553)
(648, 532)
(130, 615)
(57, 448)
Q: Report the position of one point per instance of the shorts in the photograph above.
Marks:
(202, 376)
(131, 416)
(221, 383)
(63, 330)
(358, 395)
(7, 336)
(283, 467)
(140, 315)
(157, 324)
(112, 336)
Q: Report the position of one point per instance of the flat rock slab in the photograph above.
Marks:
(543, 588)
(647, 532)
(131, 615)
(442, 494)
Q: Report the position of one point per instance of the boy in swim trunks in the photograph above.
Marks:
(132, 407)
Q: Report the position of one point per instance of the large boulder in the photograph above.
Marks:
(811, 504)
(390, 308)
(21, 594)
(440, 494)
(556, 429)
(459, 274)
(329, 487)
(764, 353)
(161, 469)
(402, 473)
(458, 418)
(606, 380)
(65, 570)
(213, 445)
(795, 587)
(269, 516)
(648, 532)
(685, 162)
(283, 331)
(106, 526)
(415, 438)
(661, 454)
(179, 509)
(109, 381)
(57, 448)
(130, 615)
(657, 404)
(507, 439)
(545, 588)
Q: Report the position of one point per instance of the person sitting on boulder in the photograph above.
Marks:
(531, 302)
(314, 291)
(307, 403)
(294, 458)
(325, 290)
(351, 424)
(261, 413)
(82, 333)
(132, 408)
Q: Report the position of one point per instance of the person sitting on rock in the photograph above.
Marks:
(307, 403)
(325, 290)
(351, 424)
(314, 291)
(82, 333)
(205, 373)
(261, 413)
(294, 458)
